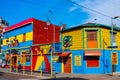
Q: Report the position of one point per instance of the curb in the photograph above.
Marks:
(40, 77)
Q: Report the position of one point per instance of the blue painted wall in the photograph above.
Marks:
(105, 66)
(21, 30)
(58, 65)
(77, 69)
(22, 44)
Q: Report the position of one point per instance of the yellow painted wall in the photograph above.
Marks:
(20, 37)
(118, 40)
(45, 48)
(76, 38)
(105, 38)
(4, 42)
(29, 36)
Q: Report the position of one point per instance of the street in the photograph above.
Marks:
(19, 76)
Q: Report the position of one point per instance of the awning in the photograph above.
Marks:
(63, 54)
(92, 53)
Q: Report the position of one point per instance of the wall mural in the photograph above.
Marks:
(12, 42)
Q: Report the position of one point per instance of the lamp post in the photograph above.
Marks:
(112, 33)
(53, 74)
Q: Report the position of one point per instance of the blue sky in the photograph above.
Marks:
(14, 11)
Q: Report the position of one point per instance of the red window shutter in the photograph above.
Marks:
(93, 61)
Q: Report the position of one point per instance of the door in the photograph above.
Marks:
(92, 39)
(67, 64)
(114, 61)
(14, 59)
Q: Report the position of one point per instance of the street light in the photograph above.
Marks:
(112, 26)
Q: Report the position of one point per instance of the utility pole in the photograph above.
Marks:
(112, 40)
(53, 73)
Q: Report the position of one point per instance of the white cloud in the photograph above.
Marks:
(73, 8)
(107, 7)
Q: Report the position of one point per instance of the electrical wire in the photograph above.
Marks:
(90, 9)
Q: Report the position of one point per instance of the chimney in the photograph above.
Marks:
(63, 27)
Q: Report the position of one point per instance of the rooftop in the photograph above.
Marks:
(91, 25)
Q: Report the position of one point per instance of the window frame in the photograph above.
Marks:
(91, 35)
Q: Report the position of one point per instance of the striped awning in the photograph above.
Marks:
(93, 53)
(63, 54)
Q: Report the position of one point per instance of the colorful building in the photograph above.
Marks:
(89, 49)
(84, 49)
(28, 37)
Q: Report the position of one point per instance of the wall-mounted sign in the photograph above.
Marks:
(114, 58)
(67, 41)
(77, 60)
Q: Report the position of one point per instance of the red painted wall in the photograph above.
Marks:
(43, 34)
(34, 57)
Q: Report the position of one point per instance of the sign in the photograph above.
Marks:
(77, 61)
(67, 41)
(114, 58)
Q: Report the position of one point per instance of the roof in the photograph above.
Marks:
(90, 25)
(20, 24)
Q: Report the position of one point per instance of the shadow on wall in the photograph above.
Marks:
(67, 79)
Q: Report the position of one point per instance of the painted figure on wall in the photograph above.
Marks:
(7, 58)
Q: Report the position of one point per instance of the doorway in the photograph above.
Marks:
(67, 64)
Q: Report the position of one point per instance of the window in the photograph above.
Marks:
(92, 61)
(77, 60)
(92, 35)
(23, 58)
(28, 58)
(92, 39)
(24, 37)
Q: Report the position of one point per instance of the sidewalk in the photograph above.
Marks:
(35, 74)
(68, 76)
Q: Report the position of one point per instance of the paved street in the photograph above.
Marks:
(13, 76)
(6, 75)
